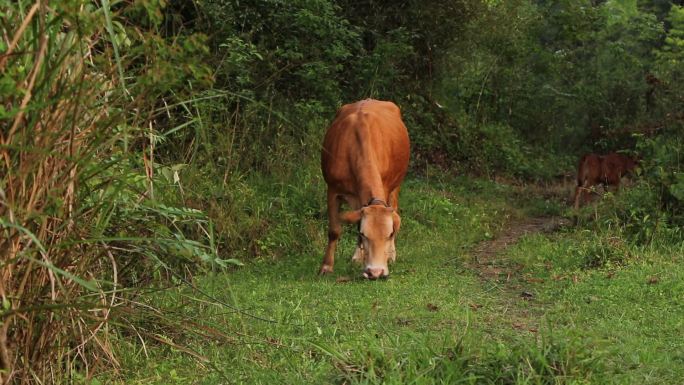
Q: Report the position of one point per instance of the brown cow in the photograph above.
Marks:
(606, 170)
(364, 159)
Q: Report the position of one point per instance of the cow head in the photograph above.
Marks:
(378, 226)
(624, 164)
(631, 163)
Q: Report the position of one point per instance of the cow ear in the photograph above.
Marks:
(351, 216)
(396, 221)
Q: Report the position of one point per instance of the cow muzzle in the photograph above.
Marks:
(373, 273)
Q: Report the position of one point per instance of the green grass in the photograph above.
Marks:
(433, 321)
(630, 309)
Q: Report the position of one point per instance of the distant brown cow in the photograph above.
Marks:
(364, 159)
(606, 170)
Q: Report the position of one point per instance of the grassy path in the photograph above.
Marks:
(481, 294)
(491, 264)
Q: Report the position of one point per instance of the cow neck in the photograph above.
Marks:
(368, 178)
(368, 195)
(370, 186)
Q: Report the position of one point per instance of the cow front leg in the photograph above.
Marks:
(615, 187)
(391, 251)
(358, 256)
(334, 231)
(584, 193)
(578, 196)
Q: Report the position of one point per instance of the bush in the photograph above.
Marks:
(656, 205)
(650, 210)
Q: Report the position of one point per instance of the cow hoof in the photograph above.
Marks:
(325, 269)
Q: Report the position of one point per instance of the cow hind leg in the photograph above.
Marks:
(334, 231)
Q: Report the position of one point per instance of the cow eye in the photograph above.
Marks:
(362, 235)
(392, 235)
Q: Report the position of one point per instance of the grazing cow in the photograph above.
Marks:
(364, 159)
(606, 170)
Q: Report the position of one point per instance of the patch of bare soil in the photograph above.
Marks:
(489, 262)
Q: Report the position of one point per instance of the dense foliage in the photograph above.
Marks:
(143, 141)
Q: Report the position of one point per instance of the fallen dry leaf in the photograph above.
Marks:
(432, 307)
(343, 279)
(653, 280)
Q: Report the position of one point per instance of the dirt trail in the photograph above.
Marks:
(490, 263)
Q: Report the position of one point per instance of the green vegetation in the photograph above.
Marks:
(435, 320)
(626, 312)
(429, 322)
(162, 211)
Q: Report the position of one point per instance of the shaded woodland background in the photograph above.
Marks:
(143, 142)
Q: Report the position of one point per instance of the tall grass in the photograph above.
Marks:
(77, 197)
(52, 128)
